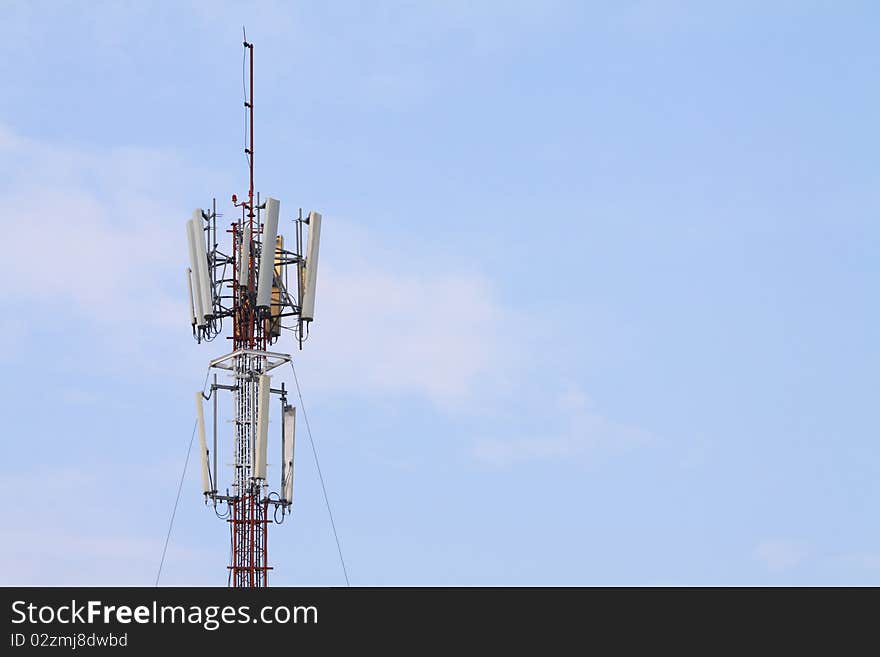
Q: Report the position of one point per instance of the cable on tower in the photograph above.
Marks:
(302, 405)
(179, 488)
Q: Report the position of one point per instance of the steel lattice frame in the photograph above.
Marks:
(249, 499)
(249, 522)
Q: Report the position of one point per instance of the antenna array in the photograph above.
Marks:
(248, 286)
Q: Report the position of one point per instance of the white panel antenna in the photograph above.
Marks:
(203, 445)
(204, 280)
(189, 287)
(267, 256)
(194, 268)
(244, 257)
(307, 310)
(289, 436)
(258, 466)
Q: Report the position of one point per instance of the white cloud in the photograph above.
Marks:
(45, 556)
(400, 69)
(68, 540)
(438, 336)
(865, 560)
(664, 18)
(388, 328)
(576, 431)
(99, 250)
(780, 555)
(93, 231)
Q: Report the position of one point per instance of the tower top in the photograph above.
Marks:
(263, 286)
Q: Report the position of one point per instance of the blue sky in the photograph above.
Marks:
(597, 301)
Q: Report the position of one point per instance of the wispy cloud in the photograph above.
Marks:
(662, 18)
(780, 555)
(52, 557)
(869, 561)
(68, 539)
(387, 327)
(98, 230)
(437, 336)
(576, 431)
(99, 246)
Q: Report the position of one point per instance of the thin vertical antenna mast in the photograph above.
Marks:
(249, 151)
(250, 106)
(258, 262)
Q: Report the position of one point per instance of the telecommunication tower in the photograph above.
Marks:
(248, 287)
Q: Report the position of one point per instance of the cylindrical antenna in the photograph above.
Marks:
(189, 287)
(214, 395)
(192, 238)
(288, 437)
(245, 256)
(307, 311)
(202, 264)
(258, 468)
(267, 254)
(203, 444)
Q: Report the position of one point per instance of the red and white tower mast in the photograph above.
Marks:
(249, 286)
